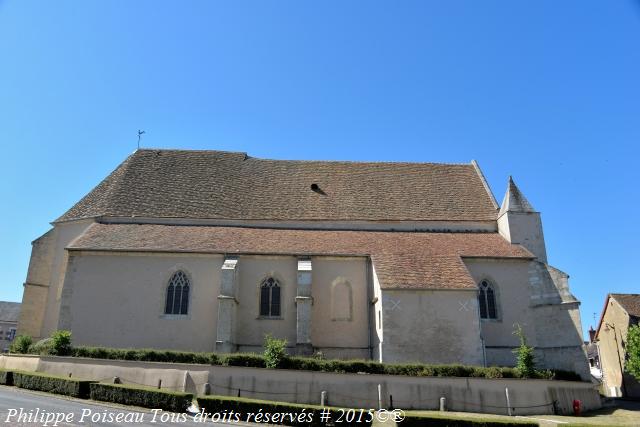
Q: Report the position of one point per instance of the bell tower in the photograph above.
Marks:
(520, 223)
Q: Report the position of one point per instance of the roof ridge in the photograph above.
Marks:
(188, 150)
(492, 196)
(232, 185)
(182, 150)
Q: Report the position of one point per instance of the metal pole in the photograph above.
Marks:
(506, 393)
(379, 396)
(443, 404)
(323, 398)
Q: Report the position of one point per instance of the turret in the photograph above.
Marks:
(519, 223)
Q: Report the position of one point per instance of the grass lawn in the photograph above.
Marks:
(627, 414)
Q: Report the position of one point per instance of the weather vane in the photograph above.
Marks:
(140, 133)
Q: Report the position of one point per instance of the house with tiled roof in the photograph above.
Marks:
(395, 262)
(9, 312)
(620, 312)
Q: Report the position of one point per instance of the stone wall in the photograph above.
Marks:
(527, 294)
(611, 336)
(347, 390)
(439, 326)
(118, 300)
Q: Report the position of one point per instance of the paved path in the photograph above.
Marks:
(80, 412)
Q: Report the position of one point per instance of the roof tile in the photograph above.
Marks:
(225, 185)
(403, 260)
(630, 302)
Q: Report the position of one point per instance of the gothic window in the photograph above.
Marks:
(487, 301)
(270, 298)
(177, 301)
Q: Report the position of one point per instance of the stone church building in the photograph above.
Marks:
(395, 262)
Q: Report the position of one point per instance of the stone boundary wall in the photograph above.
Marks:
(528, 397)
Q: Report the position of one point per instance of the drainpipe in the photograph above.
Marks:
(369, 279)
(484, 350)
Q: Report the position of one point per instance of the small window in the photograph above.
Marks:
(270, 298)
(177, 301)
(487, 301)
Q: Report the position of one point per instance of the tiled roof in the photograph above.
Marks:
(226, 185)
(401, 259)
(9, 311)
(630, 303)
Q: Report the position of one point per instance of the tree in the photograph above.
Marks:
(275, 351)
(526, 364)
(633, 351)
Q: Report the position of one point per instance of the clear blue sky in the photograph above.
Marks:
(547, 91)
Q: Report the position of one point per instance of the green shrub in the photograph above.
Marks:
(493, 372)
(509, 373)
(147, 355)
(6, 377)
(526, 364)
(290, 414)
(561, 375)
(141, 396)
(453, 370)
(52, 384)
(21, 344)
(633, 351)
(304, 364)
(275, 351)
(250, 360)
(42, 347)
(409, 369)
(61, 343)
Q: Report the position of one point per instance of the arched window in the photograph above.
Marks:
(270, 298)
(487, 301)
(177, 301)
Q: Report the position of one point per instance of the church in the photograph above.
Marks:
(393, 262)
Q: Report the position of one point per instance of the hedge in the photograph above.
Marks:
(250, 360)
(146, 355)
(419, 421)
(282, 413)
(6, 377)
(141, 396)
(313, 364)
(52, 384)
(291, 414)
